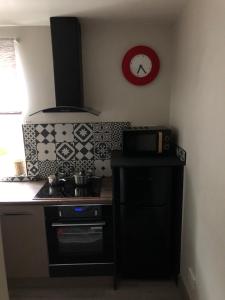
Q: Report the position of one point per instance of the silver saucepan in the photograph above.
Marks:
(81, 178)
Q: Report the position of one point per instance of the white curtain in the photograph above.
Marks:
(10, 101)
(11, 138)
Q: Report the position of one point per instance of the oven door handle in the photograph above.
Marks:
(77, 224)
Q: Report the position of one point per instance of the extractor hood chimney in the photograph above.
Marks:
(67, 62)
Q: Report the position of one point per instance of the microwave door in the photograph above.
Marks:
(147, 143)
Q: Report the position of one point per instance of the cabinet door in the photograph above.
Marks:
(24, 241)
(3, 280)
(145, 241)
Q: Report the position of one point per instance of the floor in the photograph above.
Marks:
(93, 288)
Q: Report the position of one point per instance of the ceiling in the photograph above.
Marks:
(37, 12)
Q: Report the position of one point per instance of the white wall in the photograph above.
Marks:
(105, 88)
(197, 111)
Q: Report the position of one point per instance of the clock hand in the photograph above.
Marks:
(141, 68)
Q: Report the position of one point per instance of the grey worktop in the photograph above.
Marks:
(24, 192)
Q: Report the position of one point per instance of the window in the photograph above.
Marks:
(11, 108)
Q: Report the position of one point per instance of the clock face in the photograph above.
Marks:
(140, 65)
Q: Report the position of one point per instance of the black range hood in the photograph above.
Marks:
(67, 63)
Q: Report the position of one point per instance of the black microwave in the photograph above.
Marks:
(147, 141)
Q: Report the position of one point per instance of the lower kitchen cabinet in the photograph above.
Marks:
(24, 241)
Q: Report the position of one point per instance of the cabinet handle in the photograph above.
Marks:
(16, 214)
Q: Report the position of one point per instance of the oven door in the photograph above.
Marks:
(72, 242)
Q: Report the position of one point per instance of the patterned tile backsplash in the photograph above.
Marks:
(50, 148)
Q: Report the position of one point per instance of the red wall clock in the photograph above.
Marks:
(140, 65)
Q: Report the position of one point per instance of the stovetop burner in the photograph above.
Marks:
(68, 189)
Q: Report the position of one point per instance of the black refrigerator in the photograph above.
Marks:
(145, 222)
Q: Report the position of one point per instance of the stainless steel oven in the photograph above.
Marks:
(80, 239)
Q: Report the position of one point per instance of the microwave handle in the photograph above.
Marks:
(160, 142)
(77, 224)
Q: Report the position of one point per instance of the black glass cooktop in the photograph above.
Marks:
(68, 189)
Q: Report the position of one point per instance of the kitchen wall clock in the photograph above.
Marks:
(140, 65)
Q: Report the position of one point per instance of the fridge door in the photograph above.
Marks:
(145, 241)
(146, 186)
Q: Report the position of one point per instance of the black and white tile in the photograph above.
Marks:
(66, 167)
(29, 142)
(83, 132)
(64, 133)
(84, 151)
(46, 151)
(30, 151)
(29, 134)
(65, 151)
(102, 132)
(117, 132)
(102, 150)
(103, 168)
(32, 168)
(45, 133)
(47, 168)
(84, 165)
(19, 178)
(49, 147)
(181, 153)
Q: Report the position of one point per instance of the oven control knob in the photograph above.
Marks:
(167, 138)
(96, 213)
(167, 146)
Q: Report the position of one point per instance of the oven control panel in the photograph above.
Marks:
(54, 213)
(83, 211)
(74, 212)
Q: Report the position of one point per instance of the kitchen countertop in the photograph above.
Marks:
(12, 193)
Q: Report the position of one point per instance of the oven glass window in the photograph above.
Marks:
(80, 241)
